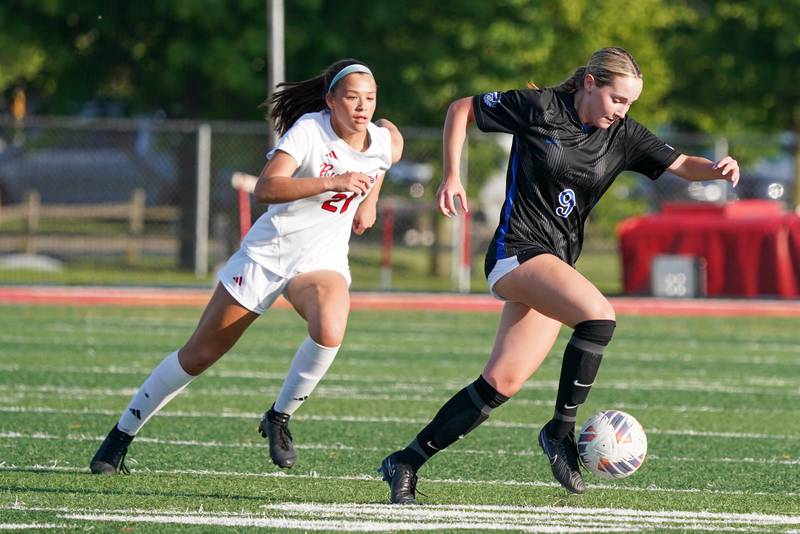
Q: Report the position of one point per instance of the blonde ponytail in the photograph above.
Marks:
(604, 65)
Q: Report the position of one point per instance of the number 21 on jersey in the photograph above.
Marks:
(566, 199)
(332, 204)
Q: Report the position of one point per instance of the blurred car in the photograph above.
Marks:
(768, 179)
(72, 175)
(411, 174)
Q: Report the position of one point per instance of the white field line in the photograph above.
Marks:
(421, 320)
(579, 513)
(18, 392)
(371, 517)
(339, 525)
(427, 385)
(368, 478)
(260, 360)
(622, 350)
(35, 526)
(343, 447)
(350, 351)
(381, 420)
(412, 330)
(424, 338)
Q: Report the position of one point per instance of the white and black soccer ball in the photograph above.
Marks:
(612, 444)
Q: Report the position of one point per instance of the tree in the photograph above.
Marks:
(738, 69)
(207, 59)
(426, 54)
(187, 58)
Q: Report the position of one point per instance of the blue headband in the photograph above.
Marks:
(350, 69)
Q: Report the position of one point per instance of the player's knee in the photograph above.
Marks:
(328, 333)
(195, 360)
(600, 310)
(597, 331)
(507, 385)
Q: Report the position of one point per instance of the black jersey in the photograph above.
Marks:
(558, 169)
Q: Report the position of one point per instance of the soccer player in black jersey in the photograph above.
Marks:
(570, 143)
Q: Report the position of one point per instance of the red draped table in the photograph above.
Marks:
(751, 248)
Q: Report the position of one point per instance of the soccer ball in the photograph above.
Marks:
(612, 444)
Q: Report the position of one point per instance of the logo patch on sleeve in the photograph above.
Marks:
(490, 100)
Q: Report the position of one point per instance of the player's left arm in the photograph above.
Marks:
(696, 169)
(396, 137)
(367, 211)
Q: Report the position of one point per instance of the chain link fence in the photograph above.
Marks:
(151, 202)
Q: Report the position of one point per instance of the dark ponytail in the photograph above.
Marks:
(294, 99)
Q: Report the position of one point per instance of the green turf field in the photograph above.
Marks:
(718, 398)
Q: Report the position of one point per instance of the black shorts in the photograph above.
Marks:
(522, 257)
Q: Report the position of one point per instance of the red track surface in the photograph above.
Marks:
(99, 296)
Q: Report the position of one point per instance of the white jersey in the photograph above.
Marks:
(313, 233)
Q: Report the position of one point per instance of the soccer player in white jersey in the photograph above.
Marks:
(321, 181)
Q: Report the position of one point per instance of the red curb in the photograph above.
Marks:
(168, 297)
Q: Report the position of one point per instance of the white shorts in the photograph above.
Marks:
(253, 286)
(500, 269)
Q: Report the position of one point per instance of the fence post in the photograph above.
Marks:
(458, 228)
(245, 213)
(33, 204)
(203, 201)
(135, 225)
(465, 266)
(721, 149)
(386, 249)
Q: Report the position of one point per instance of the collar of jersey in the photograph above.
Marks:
(329, 131)
(569, 103)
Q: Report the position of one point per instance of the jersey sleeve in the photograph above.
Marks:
(296, 142)
(646, 153)
(507, 112)
(383, 138)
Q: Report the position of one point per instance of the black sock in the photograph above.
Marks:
(582, 359)
(456, 418)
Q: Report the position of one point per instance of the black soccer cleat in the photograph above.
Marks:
(275, 427)
(110, 457)
(401, 478)
(563, 456)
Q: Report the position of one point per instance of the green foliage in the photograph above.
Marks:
(207, 59)
(18, 62)
(717, 65)
(736, 66)
(187, 58)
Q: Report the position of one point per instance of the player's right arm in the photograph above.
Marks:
(276, 183)
(459, 116)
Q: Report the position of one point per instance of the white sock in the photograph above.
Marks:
(309, 365)
(166, 381)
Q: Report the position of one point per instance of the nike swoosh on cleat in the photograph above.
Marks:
(582, 385)
(553, 460)
(432, 446)
(570, 406)
(390, 468)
